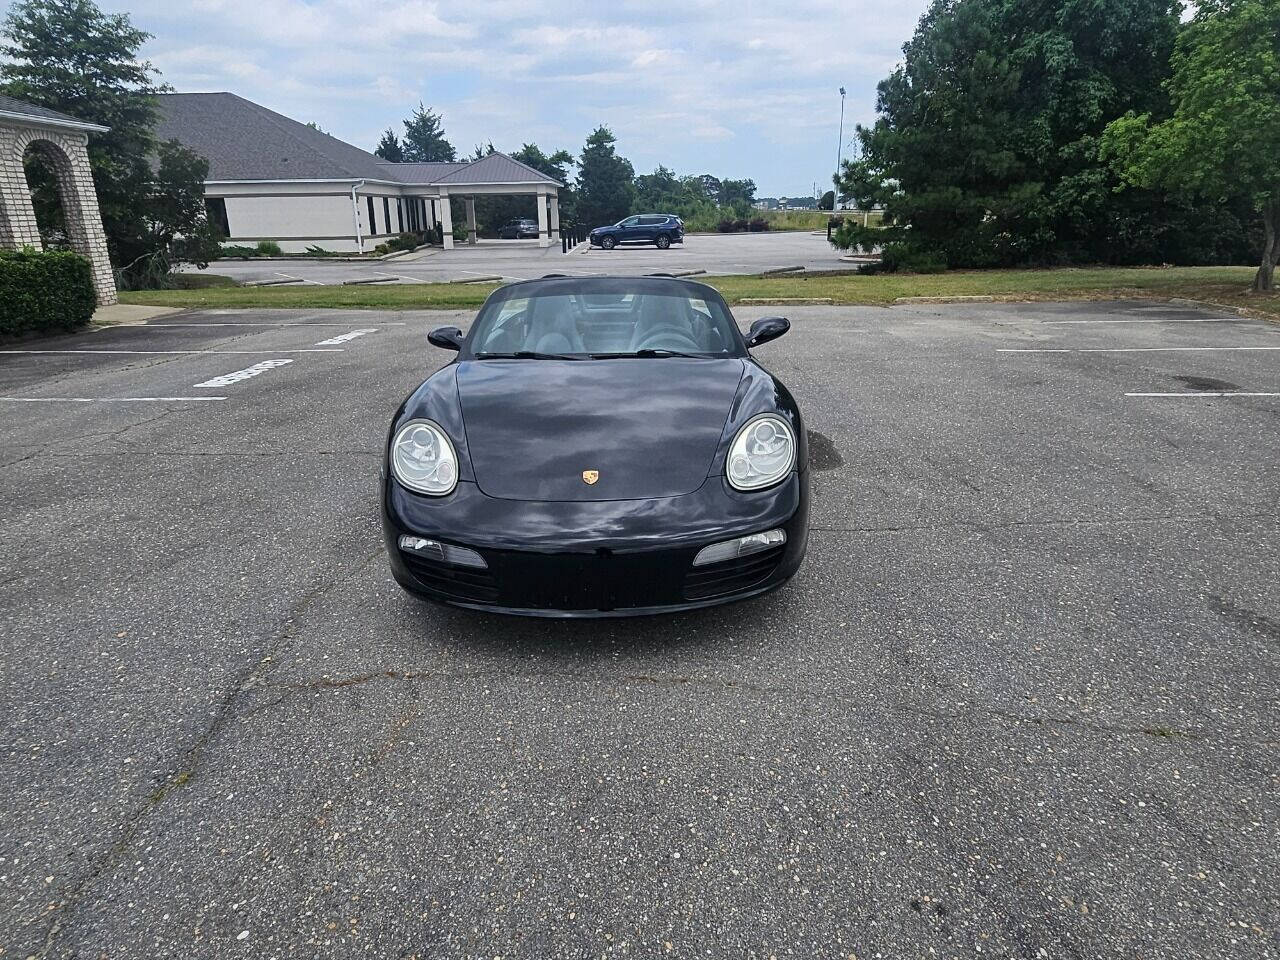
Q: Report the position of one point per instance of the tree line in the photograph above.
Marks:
(601, 186)
(1078, 131)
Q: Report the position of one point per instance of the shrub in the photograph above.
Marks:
(232, 251)
(268, 248)
(460, 233)
(44, 292)
(739, 224)
(758, 225)
(405, 241)
(382, 249)
(317, 251)
(725, 226)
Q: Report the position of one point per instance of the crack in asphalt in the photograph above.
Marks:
(245, 679)
(968, 711)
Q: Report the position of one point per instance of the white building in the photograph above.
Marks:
(273, 178)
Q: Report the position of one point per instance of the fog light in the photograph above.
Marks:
(444, 552)
(741, 547)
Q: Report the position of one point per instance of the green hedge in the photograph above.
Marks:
(44, 292)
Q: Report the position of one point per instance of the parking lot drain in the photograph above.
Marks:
(1206, 383)
(823, 454)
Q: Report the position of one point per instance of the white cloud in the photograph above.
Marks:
(740, 89)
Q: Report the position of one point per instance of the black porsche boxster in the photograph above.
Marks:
(601, 446)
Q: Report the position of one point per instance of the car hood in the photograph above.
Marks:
(648, 427)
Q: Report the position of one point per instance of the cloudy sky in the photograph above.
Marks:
(737, 89)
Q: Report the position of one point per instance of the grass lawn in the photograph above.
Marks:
(1226, 285)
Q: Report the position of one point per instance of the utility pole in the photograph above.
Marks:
(835, 185)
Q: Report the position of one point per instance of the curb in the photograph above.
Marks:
(787, 301)
(963, 299)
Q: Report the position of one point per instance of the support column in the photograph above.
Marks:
(446, 220)
(544, 240)
(471, 219)
(555, 217)
(17, 216)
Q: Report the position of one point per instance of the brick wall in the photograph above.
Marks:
(64, 151)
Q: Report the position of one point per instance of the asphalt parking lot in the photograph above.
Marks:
(1020, 701)
(717, 254)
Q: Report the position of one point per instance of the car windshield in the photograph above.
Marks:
(604, 318)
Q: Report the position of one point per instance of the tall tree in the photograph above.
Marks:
(660, 190)
(389, 148)
(605, 188)
(424, 140)
(985, 150)
(69, 56)
(1222, 140)
(557, 165)
(737, 194)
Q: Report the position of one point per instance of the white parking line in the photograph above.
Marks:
(1206, 393)
(248, 323)
(104, 399)
(1126, 349)
(159, 353)
(227, 379)
(344, 337)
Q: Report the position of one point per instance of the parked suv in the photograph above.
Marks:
(520, 229)
(660, 229)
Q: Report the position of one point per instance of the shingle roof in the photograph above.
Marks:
(420, 172)
(497, 168)
(21, 108)
(245, 141)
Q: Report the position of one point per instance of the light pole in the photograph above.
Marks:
(835, 185)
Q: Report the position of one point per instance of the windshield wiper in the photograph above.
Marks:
(646, 352)
(529, 355)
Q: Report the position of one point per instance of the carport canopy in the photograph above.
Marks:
(494, 175)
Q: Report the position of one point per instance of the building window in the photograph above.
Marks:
(400, 215)
(373, 221)
(386, 213)
(215, 208)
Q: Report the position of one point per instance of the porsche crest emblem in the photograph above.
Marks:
(590, 476)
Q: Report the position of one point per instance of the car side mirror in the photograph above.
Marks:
(449, 338)
(766, 329)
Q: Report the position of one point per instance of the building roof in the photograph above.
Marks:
(245, 141)
(496, 168)
(420, 172)
(12, 108)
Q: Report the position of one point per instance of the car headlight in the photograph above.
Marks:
(423, 458)
(762, 453)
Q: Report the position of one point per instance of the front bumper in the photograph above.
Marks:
(598, 558)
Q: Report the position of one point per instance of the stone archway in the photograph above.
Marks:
(63, 150)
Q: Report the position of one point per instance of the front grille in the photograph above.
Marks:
(730, 576)
(582, 581)
(459, 583)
